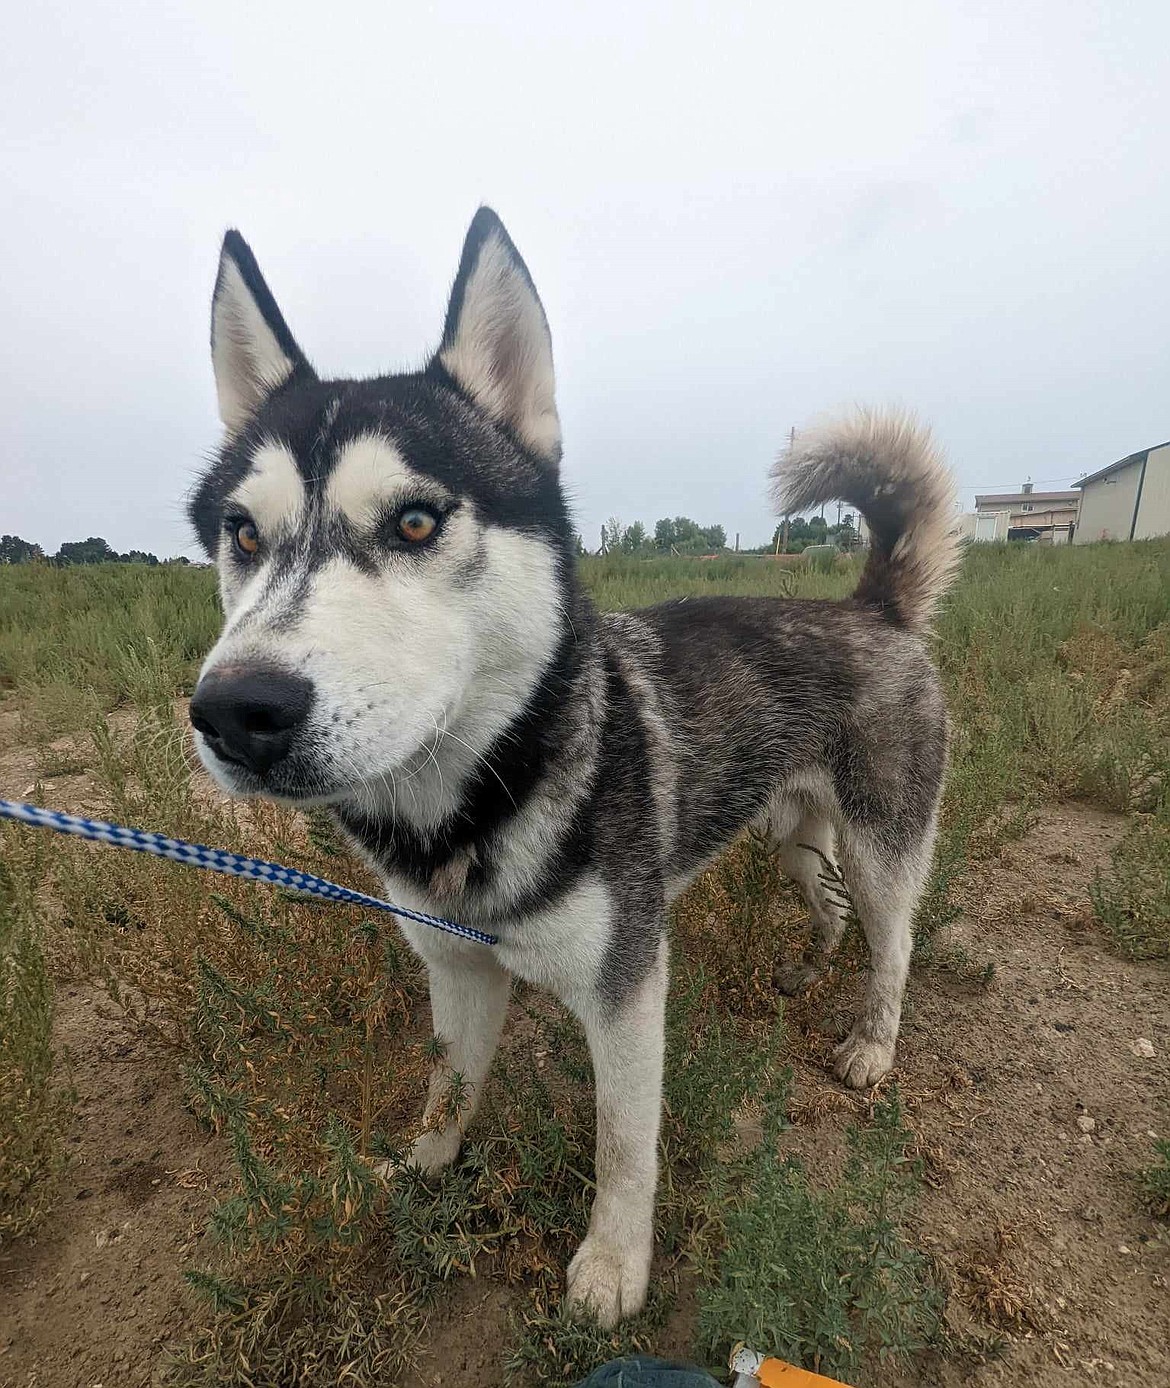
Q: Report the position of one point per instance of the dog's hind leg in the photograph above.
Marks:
(884, 886)
(469, 1000)
(807, 855)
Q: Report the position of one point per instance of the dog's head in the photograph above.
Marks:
(392, 552)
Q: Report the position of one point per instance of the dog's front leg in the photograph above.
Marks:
(469, 999)
(611, 1271)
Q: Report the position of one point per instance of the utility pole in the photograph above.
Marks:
(782, 537)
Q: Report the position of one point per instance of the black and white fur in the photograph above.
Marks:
(502, 754)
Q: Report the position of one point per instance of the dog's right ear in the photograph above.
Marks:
(252, 351)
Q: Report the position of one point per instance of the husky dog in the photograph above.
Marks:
(406, 641)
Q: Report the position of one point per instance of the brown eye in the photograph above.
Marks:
(247, 538)
(417, 524)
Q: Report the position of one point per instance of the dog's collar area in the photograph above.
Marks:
(219, 860)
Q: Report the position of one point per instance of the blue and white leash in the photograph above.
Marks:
(218, 860)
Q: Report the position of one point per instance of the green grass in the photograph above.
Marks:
(785, 1234)
(78, 640)
(34, 1099)
(1057, 670)
(303, 1027)
(619, 582)
(1132, 899)
(1154, 1181)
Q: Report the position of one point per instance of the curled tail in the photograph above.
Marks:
(888, 466)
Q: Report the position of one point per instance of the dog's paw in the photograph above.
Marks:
(608, 1281)
(792, 979)
(860, 1061)
(432, 1151)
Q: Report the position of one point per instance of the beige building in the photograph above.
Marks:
(1128, 500)
(1026, 515)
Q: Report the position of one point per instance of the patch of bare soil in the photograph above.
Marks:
(91, 1297)
(1034, 1105)
(1032, 1102)
(20, 773)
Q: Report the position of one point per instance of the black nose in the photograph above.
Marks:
(249, 715)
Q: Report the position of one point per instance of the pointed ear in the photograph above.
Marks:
(496, 342)
(252, 350)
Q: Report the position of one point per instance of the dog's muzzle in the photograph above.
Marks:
(249, 715)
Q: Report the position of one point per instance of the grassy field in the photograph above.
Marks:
(302, 1031)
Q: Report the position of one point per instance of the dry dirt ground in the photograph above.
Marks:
(1031, 1098)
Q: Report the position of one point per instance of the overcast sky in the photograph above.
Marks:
(737, 217)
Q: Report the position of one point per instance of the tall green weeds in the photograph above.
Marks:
(34, 1095)
(823, 1276)
(1132, 898)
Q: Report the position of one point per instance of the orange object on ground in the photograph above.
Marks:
(775, 1373)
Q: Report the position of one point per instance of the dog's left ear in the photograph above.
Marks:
(496, 342)
(252, 351)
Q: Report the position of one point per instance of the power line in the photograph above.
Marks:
(1013, 486)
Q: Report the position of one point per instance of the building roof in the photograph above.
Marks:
(1018, 498)
(1138, 457)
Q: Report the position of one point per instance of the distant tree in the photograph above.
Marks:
(137, 556)
(802, 533)
(797, 530)
(611, 535)
(14, 550)
(847, 537)
(182, 558)
(635, 539)
(688, 535)
(91, 551)
(794, 538)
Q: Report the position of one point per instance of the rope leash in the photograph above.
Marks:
(218, 860)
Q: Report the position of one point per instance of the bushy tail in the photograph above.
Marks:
(888, 466)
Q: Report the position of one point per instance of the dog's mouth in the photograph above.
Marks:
(300, 780)
(290, 781)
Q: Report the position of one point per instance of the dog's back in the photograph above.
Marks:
(751, 701)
